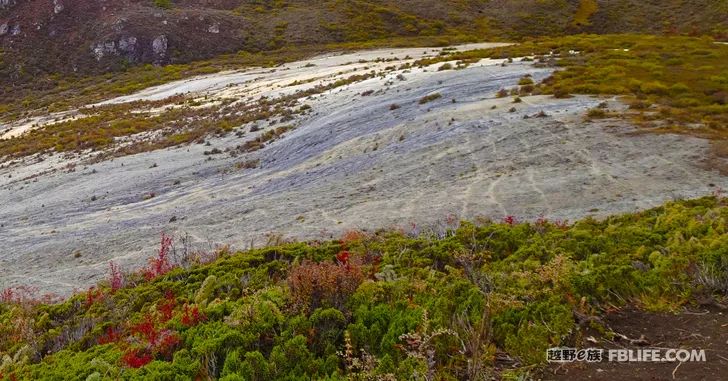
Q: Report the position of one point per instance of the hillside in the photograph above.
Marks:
(378, 138)
(45, 44)
(470, 301)
(362, 190)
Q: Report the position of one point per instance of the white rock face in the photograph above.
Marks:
(128, 44)
(159, 47)
(102, 49)
(214, 28)
(6, 3)
(15, 30)
(351, 164)
(4, 28)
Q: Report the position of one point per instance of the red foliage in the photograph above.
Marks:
(94, 295)
(192, 316)
(168, 344)
(510, 220)
(166, 307)
(117, 278)
(146, 330)
(135, 358)
(160, 264)
(7, 295)
(343, 258)
(111, 336)
(19, 294)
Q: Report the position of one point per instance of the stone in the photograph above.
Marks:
(128, 44)
(57, 6)
(159, 47)
(102, 49)
(6, 3)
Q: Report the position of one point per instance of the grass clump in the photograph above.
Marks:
(596, 113)
(445, 66)
(429, 98)
(527, 80)
(164, 4)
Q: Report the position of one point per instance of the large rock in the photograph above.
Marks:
(57, 6)
(6, 3)
(159, 47)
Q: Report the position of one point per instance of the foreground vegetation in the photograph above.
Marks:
(454, 303)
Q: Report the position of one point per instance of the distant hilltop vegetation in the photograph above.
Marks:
(91, 36)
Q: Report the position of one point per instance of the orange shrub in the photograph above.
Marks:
(326, 284)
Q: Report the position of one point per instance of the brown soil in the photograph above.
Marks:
(706, 329)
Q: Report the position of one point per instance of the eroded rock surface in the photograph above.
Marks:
(355, 162)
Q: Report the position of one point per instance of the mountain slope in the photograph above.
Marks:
(92, 36)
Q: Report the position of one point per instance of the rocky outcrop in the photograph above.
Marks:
(93, 36)
(6, 3)
(159, 48)
(57, 6)
(125, 47)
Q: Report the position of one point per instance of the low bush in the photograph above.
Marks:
(429, 98)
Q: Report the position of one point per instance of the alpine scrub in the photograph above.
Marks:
(390, 305)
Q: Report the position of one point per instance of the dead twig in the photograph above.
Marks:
(675, 370)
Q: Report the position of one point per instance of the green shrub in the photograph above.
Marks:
(166, 4)
(429, 98)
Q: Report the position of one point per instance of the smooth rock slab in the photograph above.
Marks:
(352, 164)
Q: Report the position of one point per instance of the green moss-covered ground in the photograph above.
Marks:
(390, 305)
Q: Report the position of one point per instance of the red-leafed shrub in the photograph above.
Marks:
(116, 277)
(167, 306)
(343, 258)
(7, 295)
(192, 316)
(136, 358)
(94, 295)
(111, 336)
(146, 330)
(19, 294)
(160, 264)
(168, 344)
(325, 284)
(510, 220)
